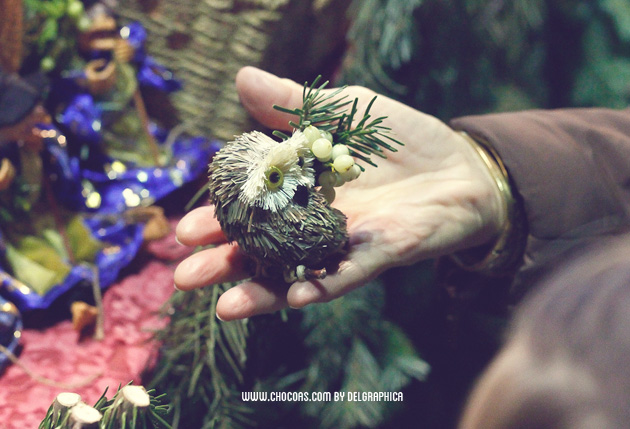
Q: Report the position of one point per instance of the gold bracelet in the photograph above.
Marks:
(503, 256)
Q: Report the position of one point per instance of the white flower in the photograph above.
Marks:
(274, 170)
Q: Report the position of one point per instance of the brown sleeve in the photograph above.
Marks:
(572, 168)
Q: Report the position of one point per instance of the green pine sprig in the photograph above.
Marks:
(152, 417)
(203, 361)
(325, 111)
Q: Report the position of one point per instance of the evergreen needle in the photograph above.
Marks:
(326, 112)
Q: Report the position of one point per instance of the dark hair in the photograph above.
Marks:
(567, 361)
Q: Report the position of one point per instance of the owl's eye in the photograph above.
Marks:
(274, 177)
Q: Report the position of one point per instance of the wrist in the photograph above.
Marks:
(503, 254)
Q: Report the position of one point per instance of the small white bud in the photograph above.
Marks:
(322, 149)
(328, 193)
(351, 174)
(339, 149)
(343, 163)
(327, 179)
(311, 133)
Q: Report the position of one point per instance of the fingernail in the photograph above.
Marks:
(297, 307)
(177, 241)
(175, 286)
(219, 317)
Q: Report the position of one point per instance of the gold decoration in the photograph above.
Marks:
(83, 315)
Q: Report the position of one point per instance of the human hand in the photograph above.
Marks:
(431, 198)
(7, 174)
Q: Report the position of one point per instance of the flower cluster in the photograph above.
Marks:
(336, 167)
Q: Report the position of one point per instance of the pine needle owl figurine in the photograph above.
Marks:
(265, 199)
(273, 197)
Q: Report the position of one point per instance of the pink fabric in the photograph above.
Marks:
(56, 352)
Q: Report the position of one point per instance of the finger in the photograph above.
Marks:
(259, 91)
(199, 227)
(220, 264)
(249, 299)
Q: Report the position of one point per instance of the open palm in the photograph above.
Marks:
(431, 198)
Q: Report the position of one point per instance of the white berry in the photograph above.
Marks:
(327, 135)
(322, 149)
(311, 133)
(343, 163)
(352, 173)
(327, 179)
(339, 149)
(328, 193)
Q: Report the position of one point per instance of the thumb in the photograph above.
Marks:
(259, 91)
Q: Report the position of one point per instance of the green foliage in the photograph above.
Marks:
(318, 108)
(15, 202)
(117, 418)
(351, 348)
(202, 362)
(388, 39)
(154, 416)
(603, 78)
(51, 28)
(364, 136)
(477, 56)
(619, 11)
(345, 345)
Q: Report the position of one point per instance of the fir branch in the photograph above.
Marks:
(134, 407)
(326, 112)
(350, 348)
(202, 362)
(280, 135)
(131, 407)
